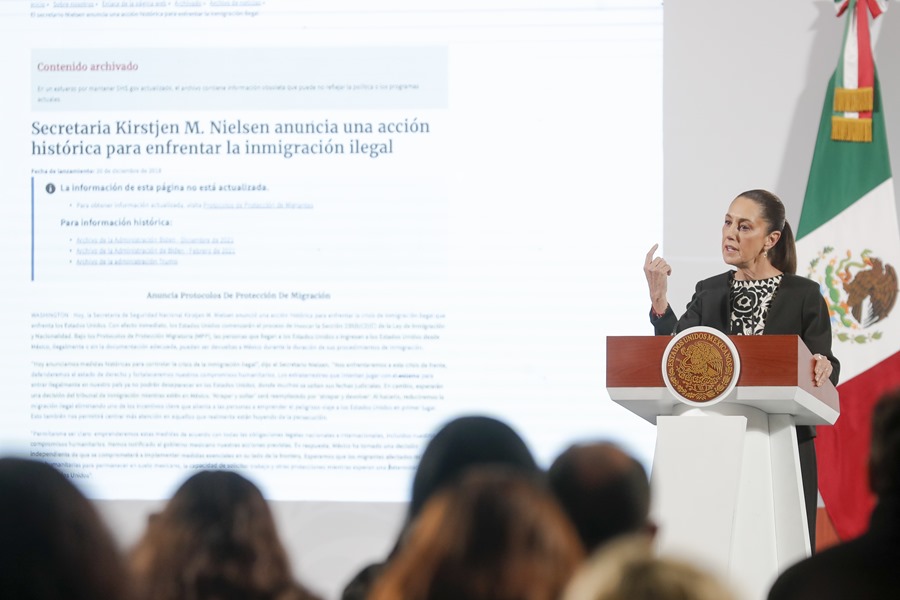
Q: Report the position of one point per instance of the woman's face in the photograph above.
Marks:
(745, 235)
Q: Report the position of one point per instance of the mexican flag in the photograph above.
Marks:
(849, 241)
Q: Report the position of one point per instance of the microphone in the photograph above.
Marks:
(691, 316)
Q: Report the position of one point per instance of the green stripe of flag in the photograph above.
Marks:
(843, 172)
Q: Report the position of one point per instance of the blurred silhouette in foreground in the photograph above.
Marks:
(866, 567)
(53, 545)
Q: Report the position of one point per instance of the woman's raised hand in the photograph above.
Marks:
(657, 271)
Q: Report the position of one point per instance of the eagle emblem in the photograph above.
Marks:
(700, 365)
(860, 292)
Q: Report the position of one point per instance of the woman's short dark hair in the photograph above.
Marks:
(463, 443)
(783, 255)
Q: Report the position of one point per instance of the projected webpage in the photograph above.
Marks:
(292, 239)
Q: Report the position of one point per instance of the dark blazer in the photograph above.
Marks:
(797, 309)
(866, 567)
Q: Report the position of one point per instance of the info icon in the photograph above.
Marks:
(50, 188)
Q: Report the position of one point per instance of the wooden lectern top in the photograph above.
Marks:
(776, 377)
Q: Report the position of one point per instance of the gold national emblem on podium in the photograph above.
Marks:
(700, 365)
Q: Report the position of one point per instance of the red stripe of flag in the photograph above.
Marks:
(843, 448)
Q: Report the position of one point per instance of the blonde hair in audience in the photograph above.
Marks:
(627, 569)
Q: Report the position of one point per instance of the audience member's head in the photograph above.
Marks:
(53, 545)
(215, 539)
(495, 534)
(462, 443)
(627, 569)
(884, 455)
(863, 566)
(457, 446)
(604, 490)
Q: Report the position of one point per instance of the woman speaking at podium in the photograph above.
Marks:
(760, 295)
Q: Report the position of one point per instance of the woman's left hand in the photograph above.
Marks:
(821, 369)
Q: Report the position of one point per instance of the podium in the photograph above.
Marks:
(726, 483)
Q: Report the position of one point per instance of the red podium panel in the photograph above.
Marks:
(776, 377)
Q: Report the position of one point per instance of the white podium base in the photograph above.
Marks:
(727, 493)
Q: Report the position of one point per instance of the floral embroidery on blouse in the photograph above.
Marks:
(750, 301)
